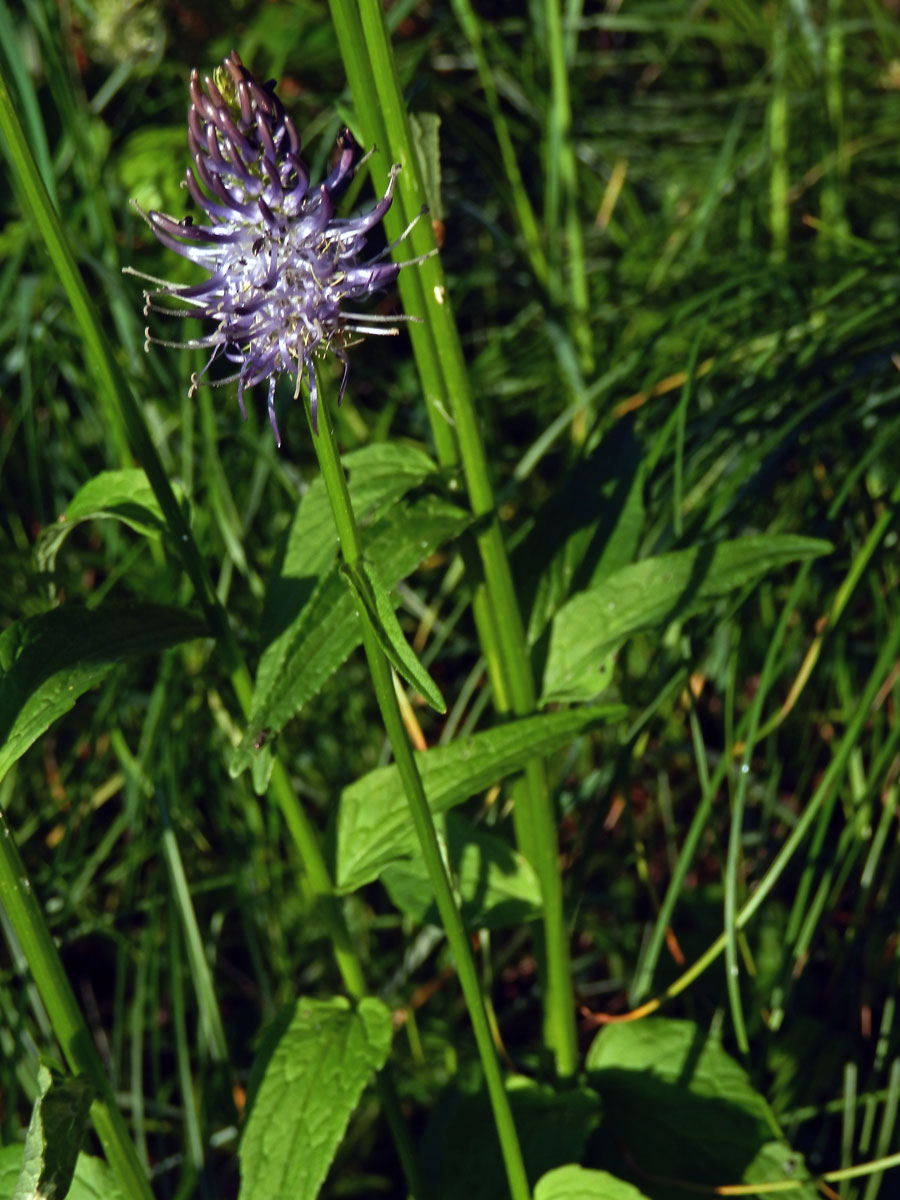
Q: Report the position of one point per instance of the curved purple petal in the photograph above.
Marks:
(280, 265)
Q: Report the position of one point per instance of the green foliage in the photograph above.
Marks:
(49, 661)
(124, 496)
(372, 826)
(380, 475)
(705, 440)
(426, 139)
(56, 1132)
(144, 167)
(325, 629)
(373, 597)
(588, 528)
(576, 1183)
(553, 1127)
(707, 1121)
(497, 887)
(311, 1069)
(652, 594)
(92, 1180)
(10, 1167)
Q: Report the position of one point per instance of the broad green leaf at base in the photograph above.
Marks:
(577, 1183)
(678, 1107)
(309, 1075)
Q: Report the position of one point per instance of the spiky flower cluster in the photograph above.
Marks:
(282, 267)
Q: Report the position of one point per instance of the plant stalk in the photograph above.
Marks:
(377, 89)
(437, 402)
(72, 1033)
(471, 25)
(562, 176)
(351, 549)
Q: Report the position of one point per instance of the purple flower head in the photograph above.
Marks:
(282, 267)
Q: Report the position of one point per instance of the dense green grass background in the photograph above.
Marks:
(739, 191)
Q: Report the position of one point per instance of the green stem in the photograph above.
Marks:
(731, 878)
(72, 1033)
(779, 205)
(535, 822)
(407, 203)
(118, 397)
(829, 781)
(470, 24)
(374, 134)
(562, 175)
(351, 548)
(404, 209)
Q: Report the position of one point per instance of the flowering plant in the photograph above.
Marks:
(281, 265)
(613, 542)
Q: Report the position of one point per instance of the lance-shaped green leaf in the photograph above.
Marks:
(650, 594)
(55, 1133)
(124, 496)
(47, 662)
(376, 602)
(372, 827)
(426, 128)
(326, 630)
(379, 475)
(307, 1080)
(497, 886)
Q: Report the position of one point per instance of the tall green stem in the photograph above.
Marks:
(370, 66)
(779, 178)
(412, 292)
(118, 398)
(471, 26)
(562, 186)
(351, 548)
(72, 1033)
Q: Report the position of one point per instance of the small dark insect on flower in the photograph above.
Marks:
(282, 267)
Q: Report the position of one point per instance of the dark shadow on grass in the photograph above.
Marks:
(658, 1131)
(589, 502)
